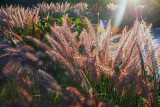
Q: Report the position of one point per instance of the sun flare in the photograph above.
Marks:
(120, 13)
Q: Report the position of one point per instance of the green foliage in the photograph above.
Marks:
(43, 28)
(55, 99)
(106, 91)
(9, 93)
(36, 92)
(61, 75)
(80, 24)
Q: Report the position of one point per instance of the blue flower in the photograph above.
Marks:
(104, 23)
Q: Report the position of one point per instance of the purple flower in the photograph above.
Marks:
(91, 44)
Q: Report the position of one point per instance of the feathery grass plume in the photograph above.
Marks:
(106, 45)
(149, 49)
(128, 75)
(16, 62)
(106, 70)
(17, 17)
(142, 62)
(119, 52)
(25, 94)
(128, 54)
(126, 40)
(84, 37)
(103, 35)
(61, 56)
(58, 34)
(69, 36)
(90, 55)
(142, 41)
(91, 31)
(17, 40)
(44, 78)
(55, 56)
(65, 24)
(150, 55)
(55, 45)
(68, 48)
(61, 8)
(72, 39)
(121, 61)
(131, 36)
(76, 93)
(113, 7)
(81, 6)
(78, 99)
(66, 38)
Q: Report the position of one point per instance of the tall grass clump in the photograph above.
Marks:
(99, 71)
(62, 8)
(17, 16)
(131, 62)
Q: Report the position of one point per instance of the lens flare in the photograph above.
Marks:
(120, 13)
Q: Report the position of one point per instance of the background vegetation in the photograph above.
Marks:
(151, 14)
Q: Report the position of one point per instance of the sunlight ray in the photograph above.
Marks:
(120, 13)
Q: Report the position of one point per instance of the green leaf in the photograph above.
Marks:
(38, 26)
(50, 17)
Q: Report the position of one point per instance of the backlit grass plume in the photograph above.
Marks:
(128, 62)
(17, 17)
(54, 8)
(63, 8)
(20, 62)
